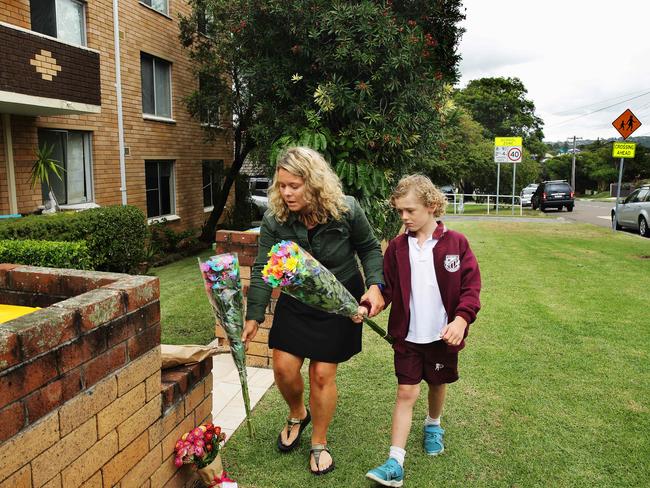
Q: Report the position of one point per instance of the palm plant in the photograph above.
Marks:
(44, 165)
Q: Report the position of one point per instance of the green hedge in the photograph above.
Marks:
(115, 235)
(53, 254)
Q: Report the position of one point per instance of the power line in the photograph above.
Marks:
(567, 112)
(598, 110)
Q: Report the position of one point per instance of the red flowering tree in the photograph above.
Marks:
(361, 81)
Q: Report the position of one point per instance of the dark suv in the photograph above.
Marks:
(553, 194)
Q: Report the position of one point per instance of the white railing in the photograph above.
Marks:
(483, 203)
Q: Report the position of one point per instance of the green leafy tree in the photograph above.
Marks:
(362, 81)
(466, 157)
(501, 106)
(596, 168)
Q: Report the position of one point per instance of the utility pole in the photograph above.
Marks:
(573, 164)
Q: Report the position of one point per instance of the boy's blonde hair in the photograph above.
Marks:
(425, 191)
(323, 191)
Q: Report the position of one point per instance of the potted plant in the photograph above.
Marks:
(44, 165)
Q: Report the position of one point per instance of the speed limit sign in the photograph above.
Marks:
(507, 149)
(514, 155)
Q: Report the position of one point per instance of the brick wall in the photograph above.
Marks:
(82, 398)
(245, 245)
(141, 30)
(75, 73)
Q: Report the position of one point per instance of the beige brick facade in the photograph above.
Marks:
(119, 427)
(142, 30)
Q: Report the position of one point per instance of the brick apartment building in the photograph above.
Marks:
(119, 128)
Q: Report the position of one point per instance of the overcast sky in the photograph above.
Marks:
(573, 56)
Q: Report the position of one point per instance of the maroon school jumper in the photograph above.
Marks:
(457, 274)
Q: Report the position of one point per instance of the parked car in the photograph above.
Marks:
(526, 196)
(634, 211)
(531, 186)
(553, 194)
(259, 187)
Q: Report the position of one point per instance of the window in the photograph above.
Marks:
(159, 176)
(63, 19)
(156, 86)
(72, 150)
(632, 197)
(159, 5)
(205, 19)
(209, 109)
(212, 180)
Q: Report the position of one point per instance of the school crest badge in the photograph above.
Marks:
(452, 262)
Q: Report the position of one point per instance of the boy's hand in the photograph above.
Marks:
(453, 332)
(375, 298)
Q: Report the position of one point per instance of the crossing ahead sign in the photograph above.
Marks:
(508, 149)
(623, 149)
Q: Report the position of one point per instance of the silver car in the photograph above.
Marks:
(634, 211)
(526, 195)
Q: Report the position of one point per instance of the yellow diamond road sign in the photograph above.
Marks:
(623, 149)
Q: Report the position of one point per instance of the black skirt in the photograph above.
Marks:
(306, 332)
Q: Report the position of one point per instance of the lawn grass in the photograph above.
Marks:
(186, 317)
(555, 381)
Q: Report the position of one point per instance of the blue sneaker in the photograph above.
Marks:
(433, 440)
(388, 474)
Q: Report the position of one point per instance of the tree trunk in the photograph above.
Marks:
(208, 231)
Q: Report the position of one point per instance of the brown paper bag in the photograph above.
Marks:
(189, 354)
(212, 472)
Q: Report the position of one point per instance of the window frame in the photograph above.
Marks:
(89, 184)
(172, 191)
(84, 22)
(156, 116)
(209, 165)
(165, 13)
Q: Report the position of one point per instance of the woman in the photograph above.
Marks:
(307, 206)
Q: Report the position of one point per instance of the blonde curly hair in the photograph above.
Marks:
(425, 191)
(323, 190)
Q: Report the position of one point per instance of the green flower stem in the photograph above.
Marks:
(377, 328)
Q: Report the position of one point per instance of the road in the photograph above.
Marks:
(597, 213)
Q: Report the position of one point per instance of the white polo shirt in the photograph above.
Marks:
(428, 315)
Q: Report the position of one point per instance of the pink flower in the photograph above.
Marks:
(199, 451)
(178, 462)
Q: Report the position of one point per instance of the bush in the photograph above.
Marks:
(115, 235)
(167, 240)
(52, 254)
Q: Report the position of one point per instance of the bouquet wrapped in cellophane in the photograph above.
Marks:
(200, 448)
(224, 290)
(301, 276)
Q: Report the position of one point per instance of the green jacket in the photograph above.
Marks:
(334, 244)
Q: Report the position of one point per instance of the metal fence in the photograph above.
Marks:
(483, 204)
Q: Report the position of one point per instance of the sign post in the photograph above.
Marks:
(625, 124)
(507, 150)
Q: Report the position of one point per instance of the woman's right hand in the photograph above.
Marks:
(249, 332)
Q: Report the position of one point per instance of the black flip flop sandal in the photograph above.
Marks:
(290, 423)
(316, 450)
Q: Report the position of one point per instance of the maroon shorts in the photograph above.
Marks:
(431, 362)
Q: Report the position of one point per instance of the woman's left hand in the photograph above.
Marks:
(374, 296)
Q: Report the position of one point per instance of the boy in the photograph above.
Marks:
(433, 281)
